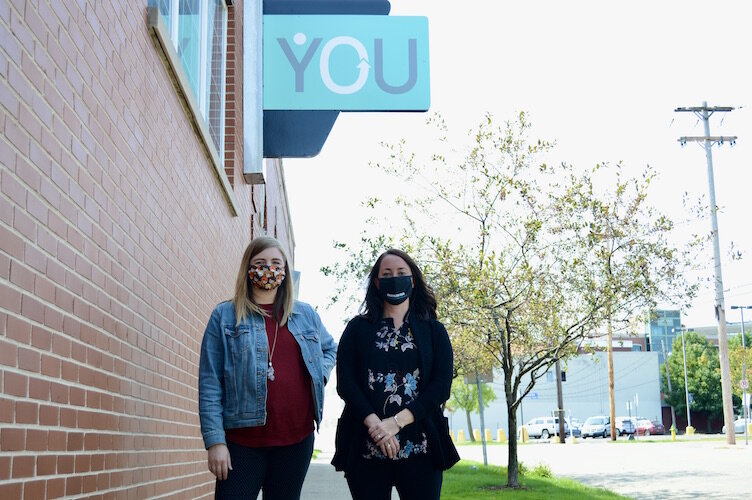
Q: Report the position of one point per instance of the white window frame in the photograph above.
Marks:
(197, 105)
(202, 43)
(202, 97)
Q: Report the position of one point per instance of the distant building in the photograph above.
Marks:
(621, 343)
(585, 391)
(664, 326)
(711, 332)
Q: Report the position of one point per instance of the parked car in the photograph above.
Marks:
(738, 426)
(647, 427)
(575, 426)
(599, 426)
(625, 426)
(545, 427)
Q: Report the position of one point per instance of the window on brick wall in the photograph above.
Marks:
(198, 31)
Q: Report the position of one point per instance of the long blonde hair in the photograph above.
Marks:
(243, 298)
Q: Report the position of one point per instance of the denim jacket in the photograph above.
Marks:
(232, 368)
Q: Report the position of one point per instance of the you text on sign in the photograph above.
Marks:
(356, 63)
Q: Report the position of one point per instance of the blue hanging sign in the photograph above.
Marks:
(346, 62)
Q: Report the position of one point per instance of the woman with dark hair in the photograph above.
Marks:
(394, 372)
(265, 358)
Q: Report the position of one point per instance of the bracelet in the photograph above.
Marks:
(396, 420)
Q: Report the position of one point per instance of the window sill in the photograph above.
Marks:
(161, 38)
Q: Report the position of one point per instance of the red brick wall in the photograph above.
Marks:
(116, 242)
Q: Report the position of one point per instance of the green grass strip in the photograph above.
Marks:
(471, 480)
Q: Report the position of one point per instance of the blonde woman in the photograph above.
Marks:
(265, 359)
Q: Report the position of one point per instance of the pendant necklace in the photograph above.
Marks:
(270, 371)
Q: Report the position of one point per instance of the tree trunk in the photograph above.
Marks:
(469, 426)
(611, 402)
(512, 468)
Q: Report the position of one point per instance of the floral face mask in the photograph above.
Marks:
(266, 277)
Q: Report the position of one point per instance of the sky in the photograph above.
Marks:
(601, 79)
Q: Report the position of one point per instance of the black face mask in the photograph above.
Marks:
(395, 289)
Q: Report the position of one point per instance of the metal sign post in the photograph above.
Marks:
(745, 402)
(686, 386)
(482, 423)
(481, 378)
(744, 382)
(636, 410)
(629, 412)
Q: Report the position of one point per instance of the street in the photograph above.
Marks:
(641, 469)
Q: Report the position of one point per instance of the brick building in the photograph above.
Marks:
(124, 211)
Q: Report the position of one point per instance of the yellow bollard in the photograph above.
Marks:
(749, 429)
(690, 430)
(451, 436)
(461, 436)
(572, 439)
(525, 435)
(488, 436)
(500, 436)
(673, 434)
(476, 434)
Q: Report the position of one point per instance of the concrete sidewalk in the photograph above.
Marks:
(324, 483)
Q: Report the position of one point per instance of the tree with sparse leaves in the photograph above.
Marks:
(538, 261)
(631, 261)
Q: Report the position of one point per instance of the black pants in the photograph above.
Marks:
(278, 470)
(415, 479)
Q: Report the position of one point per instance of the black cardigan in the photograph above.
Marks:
(436, 363)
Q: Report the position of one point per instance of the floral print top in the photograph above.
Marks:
(393, 377)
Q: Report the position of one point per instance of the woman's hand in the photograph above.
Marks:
(390, 448)
(383, 430)
(382, 433)
(371, 420)
(219, 461)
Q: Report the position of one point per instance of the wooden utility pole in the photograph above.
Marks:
(704, 112)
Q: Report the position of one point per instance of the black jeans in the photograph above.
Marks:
(415, 479)
(278, 470)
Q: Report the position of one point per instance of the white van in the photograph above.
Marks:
(545, 427)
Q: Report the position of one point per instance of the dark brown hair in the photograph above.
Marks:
(422, 300)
